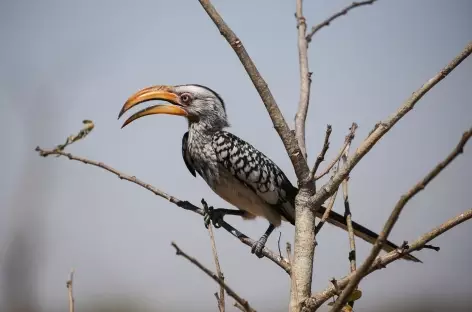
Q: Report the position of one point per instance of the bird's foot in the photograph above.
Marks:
(215, 216)
(258, 246)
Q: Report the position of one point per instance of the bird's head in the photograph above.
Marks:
(197, 103)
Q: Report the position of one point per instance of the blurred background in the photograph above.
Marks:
(65, 61)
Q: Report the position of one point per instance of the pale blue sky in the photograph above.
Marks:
(63, 61)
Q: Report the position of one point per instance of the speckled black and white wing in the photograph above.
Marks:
(255, 170)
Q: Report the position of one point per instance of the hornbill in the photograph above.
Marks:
(233, 168)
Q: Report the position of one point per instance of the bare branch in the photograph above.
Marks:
(70, 286)
(290, 142)
(221, 297)
(344, 11)
(305, 241)
(321, 155)
(344, 152)
(381, 262)
(229, 291)
(348, 216)
(363, 270)
(278, 244)
(350, 228)
(239, 307)
(305, 79)
(347, 142)
(421, 243)
(180, 203)
(325, 216)
(329, 188)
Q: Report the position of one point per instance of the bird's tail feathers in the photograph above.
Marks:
(362, 232)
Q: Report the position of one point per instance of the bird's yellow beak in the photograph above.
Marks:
(153, 93)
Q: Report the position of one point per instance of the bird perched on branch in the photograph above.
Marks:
(233, 168)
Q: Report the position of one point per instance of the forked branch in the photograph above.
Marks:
(290, 142)
(241, 301)
(347, 142)
(328, 21)
(381, 262)
(382, 128)
(404, 199)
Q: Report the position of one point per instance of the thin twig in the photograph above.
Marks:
(290, 142)
(300, 117)
(239, 307)
(347, 142)
(348, 216)
(288, 249)
(344, 11)
(329, 188)
(221, 297)
(321, 155)
(382, 261)
(363, 270)
(243, 302)
(180, 203)
(70, 286)
(329, 207)
(278, 244)
(87, 128)
(421, 243)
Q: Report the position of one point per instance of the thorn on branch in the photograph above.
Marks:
(404, 247)
(431, 247)
(177, 249)
(336, 286)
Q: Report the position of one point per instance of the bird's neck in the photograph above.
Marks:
(203, 128)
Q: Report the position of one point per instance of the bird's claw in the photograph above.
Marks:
(211, 215)
(257, 248)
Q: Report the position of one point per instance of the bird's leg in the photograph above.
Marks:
(259, 245)
(215, 216)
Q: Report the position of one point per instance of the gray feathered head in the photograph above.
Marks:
(199, 104)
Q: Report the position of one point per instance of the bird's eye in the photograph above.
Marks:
(185, 98)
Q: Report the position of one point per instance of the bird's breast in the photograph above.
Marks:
(204, 160)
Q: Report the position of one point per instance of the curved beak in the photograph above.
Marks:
(153, 93)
